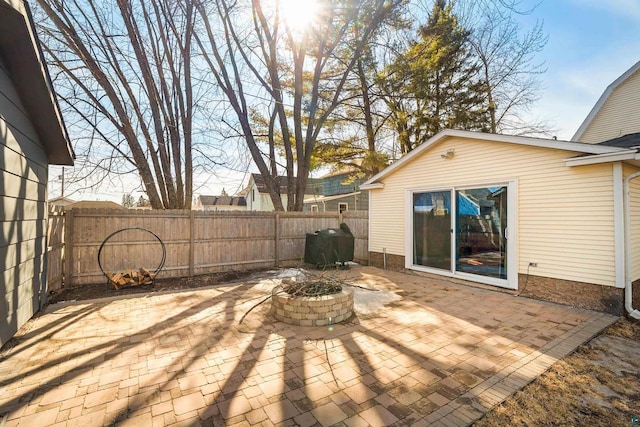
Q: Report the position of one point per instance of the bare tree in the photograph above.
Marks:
(125, 69)
(507, 57)
(298, 76)
(360, 137)
(434, 84)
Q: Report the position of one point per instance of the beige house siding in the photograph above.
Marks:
(257, 201)
(23, 168)
(619, 115)
(565, 215)
(634, 226)
(265, 203)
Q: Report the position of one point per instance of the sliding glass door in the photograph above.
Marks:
(432, 229)
(462, 230)
(481, 222)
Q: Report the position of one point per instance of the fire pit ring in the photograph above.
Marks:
(104, 243)
(311, 310)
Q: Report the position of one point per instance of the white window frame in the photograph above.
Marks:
(346, 207)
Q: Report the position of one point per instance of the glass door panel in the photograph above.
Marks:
(432, 229)
(481, 221)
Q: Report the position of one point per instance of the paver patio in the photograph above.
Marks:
(440, 354)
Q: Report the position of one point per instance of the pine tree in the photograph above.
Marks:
(435, 83)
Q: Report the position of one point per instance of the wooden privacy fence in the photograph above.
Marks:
(195, 242)
(55, 250)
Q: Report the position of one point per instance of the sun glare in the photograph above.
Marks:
(298, 15)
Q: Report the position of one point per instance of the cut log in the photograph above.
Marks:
(131, 278)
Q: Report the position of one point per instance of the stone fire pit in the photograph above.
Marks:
(291, 305)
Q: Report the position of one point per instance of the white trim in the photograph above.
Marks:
(315, 199)
(603, 98)
(408, 234)
(618, 224)
(628, 288)
(577, 147)
(372, 186)
(601, 158)
(453, 227)
(513, 262)
(369, 229)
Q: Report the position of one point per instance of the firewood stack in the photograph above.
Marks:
(131, 278)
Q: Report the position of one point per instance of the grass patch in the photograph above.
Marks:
(597, 385)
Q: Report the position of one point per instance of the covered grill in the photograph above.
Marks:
(329, 246)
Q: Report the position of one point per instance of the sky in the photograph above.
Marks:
(591, 43)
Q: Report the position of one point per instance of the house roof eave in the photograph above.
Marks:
(578, 147)
(603, 98)
(321, 199)
(21, 52)
(372, 186)
(602, 158)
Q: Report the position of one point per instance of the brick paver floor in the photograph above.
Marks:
(439, 354)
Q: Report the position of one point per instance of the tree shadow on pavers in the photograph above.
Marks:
(24, 341)
(303, 372)
(225, 401)
(124, 342)
(334, 377)
(431, 380)
(512, 339)
(190, 385)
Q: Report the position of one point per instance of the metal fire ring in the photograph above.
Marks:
(164, 249)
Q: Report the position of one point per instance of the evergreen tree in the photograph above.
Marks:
(435, 83)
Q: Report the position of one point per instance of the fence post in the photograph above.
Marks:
(191, 244)
(67, 266)
(277, 239)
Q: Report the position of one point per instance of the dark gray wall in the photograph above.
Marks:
(23, 188)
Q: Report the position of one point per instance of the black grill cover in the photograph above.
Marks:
(329, 246)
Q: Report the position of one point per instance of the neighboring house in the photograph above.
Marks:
(258, 198)
(32, 136)
(59, 202)
(617, 112)
(543, 217)
(220, 203)
(340, 193)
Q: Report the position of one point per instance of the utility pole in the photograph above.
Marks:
(61, 177)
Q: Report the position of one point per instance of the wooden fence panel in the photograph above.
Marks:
(55, 250)
(294, 227)
(233, 240)
(195, 242)
(358, 222)
(130, 249)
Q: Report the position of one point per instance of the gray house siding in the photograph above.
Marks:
(23, 195)
(358, 202)
(335, 185)
(335, 191)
